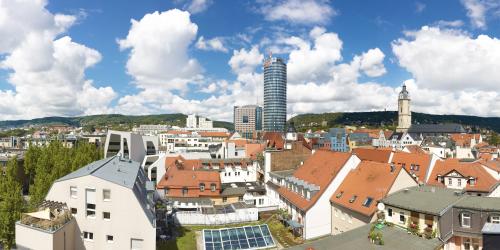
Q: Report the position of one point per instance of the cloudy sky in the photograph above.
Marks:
(80, 57)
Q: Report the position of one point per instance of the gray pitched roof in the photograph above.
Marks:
(479, 203)
(436, 128)
(424, 199)
(113, 169)
(394, 238)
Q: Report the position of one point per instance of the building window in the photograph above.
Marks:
(106, 194)
(202, 187)
(184, 191)
(212, 187)
(109, 238)
(459, 182)
(261, 201)
(73, 192)
(90, 202)
(74, 211)
(450, 181)
(465, 219)
(389, 212)
(353, 199)
(106, 215)
(467, 244)
(401, 217)
(368, 201)
(165, 191)
(240, 198)
(135, 244)
(472, 182)
(224, 199)
(88, 236)
(495, 219)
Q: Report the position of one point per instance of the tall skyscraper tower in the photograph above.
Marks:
(404, 113)
(274, 94)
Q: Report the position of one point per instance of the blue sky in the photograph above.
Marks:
(85, 57)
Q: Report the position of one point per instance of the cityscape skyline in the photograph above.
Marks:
(92, 61)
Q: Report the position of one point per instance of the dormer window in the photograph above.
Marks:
(472, 181)
(202, 187)
(339, 195)
(368, 201)
(308, 195)
(465, 219)
(353, 199)
(212, 187)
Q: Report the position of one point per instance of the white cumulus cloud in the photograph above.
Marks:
(307, 12)
(214, 44)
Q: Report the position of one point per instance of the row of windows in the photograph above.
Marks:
(106, 193)
(91, 213)
(134, 243)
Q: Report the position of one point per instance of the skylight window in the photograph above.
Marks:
(368, 202)
(353, 199)
(339, 195)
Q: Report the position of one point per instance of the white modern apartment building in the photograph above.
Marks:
(130, 145)
(151, 129)
(196, 121)
(111, 204)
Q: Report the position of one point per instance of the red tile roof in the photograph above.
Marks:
(274, 140)
(183, 173)
(484, 181)
(368, 154)
(492, 164)
(369, 179)
(417, 163)
(214, 134)
(319, 169)
(464, 140)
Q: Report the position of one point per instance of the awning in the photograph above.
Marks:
(294, 224)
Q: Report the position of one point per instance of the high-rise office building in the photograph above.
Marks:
(274, 94)
(247, 120)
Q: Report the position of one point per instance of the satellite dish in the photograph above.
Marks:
(380, 206)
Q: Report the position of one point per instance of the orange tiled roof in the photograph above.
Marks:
(492, 164)
(368, 154)
(175, 179)
(214, 134)
(319, 169)
(484, 181)
(252, 149)
(464, 140)
(369, 179)
(274, 140)
(417, 163)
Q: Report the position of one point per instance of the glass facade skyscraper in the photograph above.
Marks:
(274, 94)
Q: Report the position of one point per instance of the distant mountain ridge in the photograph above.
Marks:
(108, 120)
(388, 119)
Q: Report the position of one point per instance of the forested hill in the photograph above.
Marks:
(388, 119)
(113, 120)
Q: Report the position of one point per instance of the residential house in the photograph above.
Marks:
(464, 145)
(471, 177)
(419, 165)
(307, 192)
(462, 224)
(129, 145)
(338, 138)
(354, 203)
(420, 208)
(399, 140)
(112, 202)
(441, 146)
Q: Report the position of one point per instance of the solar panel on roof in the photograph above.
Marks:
(247, 237)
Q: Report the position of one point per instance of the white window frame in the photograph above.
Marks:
(463, 217)
(404, 218)
(495, 219)
(104, 197)
(75, 190)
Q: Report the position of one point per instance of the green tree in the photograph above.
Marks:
(494, 139)
(11, 203)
